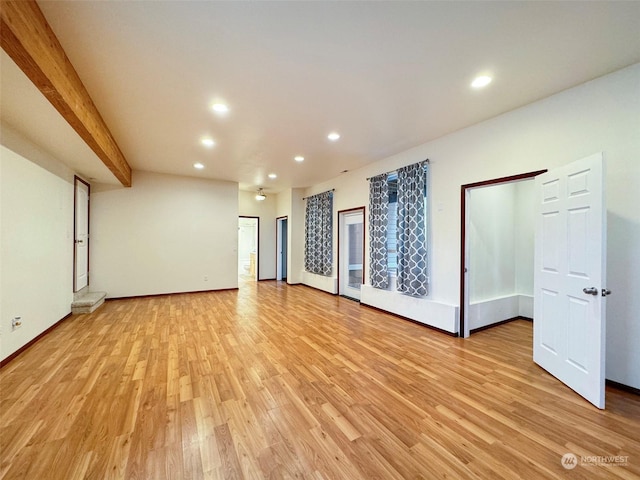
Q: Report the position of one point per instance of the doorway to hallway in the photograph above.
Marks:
(281, 248)
(248, 247)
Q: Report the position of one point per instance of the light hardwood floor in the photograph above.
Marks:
(274, 381)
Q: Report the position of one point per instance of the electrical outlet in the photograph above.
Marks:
(206, 278)
(16, 323)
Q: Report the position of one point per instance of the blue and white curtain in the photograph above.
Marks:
(412, 245)
(318, 233)
(378, 220)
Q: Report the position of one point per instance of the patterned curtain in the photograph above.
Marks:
(318, 233)
(412, 246)
(378, 218)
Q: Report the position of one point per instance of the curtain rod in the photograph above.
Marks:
(332, 190)
(393, 171)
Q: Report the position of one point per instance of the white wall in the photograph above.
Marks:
(601, 115)
(524, 236)
(165, 234)
(296, 237)
(266, 211)
(290, 204)
(283, 203)
(36, 242)
(492, 243)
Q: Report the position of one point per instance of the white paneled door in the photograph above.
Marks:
(570, 276)
(81, 235)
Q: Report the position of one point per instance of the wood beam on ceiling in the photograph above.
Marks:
(29, 40)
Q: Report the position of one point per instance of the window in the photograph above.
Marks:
(392, 226)
(397, 229)
(318, 233)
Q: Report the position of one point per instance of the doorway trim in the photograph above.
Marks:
(283, 275)
(257, 243)
(76, 181)
(364, 235)
(464, 193)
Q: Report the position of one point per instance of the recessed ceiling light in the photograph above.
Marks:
(481, 81)
(220, 108)
(198, 165)
(273, 176)
(299, 158)
(208, 142)
(333, 136)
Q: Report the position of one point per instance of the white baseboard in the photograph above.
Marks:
(495, 310)
(327, 284)
(526, 306)
(435, 314)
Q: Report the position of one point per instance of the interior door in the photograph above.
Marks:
(570, 276)
(351, 253)
(281, 248)
(81, 235)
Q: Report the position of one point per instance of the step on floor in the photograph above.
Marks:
(88, 302)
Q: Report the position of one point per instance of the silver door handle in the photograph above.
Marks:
(590, 291)
(606, 292)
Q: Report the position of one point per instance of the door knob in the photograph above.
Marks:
(590, 291)
(606, 292)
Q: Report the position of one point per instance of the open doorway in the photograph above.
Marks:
(497, 251)
(281, 248)
(350, 252)
(569, 272)
(248, 247)
(80, 234)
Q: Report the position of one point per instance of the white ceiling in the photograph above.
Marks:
(386, 75)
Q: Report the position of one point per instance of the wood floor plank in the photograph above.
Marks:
(275, 381)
